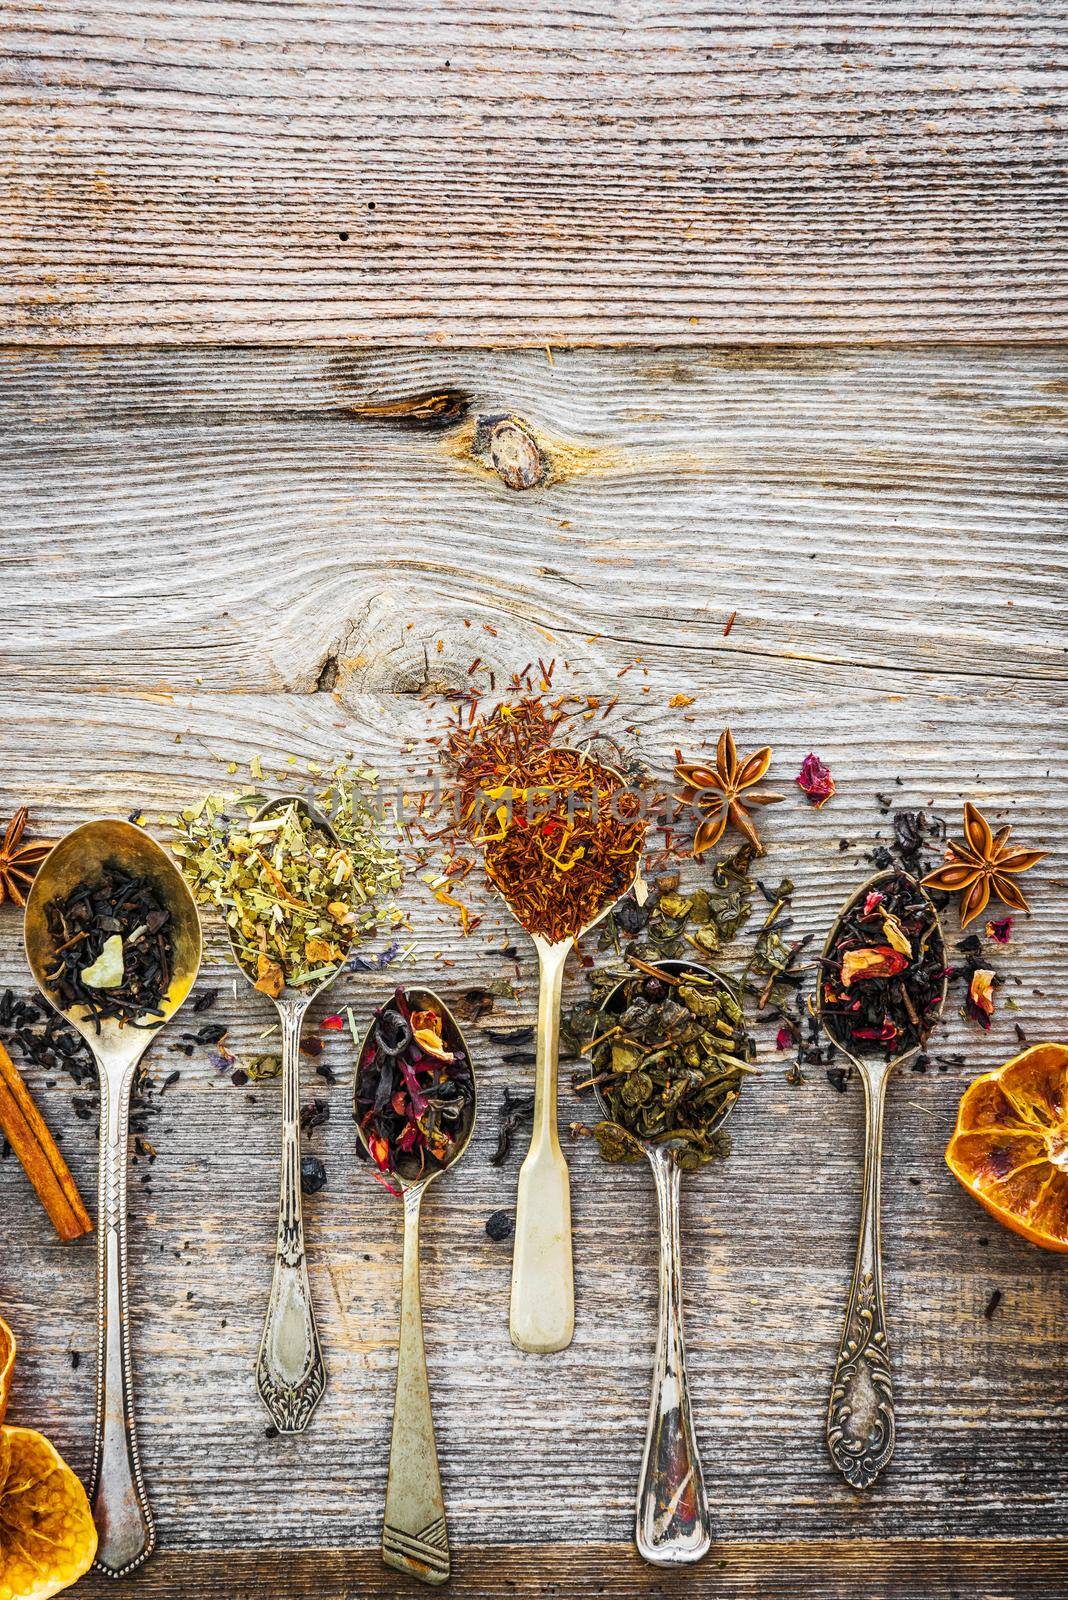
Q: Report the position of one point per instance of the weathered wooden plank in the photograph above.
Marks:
(267, 172)
(185, 516)
(897, 1569)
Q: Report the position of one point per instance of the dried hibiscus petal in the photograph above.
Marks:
(884, 1035)
(872, 961)
(1001, 929)
(980, 1002)
(815, 780)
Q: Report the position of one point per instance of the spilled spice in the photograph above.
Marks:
(415, 1090)
(560, 834)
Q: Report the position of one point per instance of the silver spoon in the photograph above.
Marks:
(290, 1371)
(414, 1534)
(860, 1414)
(117, 1490)
(673, 1526)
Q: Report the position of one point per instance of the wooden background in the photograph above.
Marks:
(801, 274)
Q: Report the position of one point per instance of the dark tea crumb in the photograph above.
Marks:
(500, 1226)
(312, 1175)
(992, 1304)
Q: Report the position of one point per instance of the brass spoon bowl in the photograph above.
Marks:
(860, 1413)
(673, 1526)
(290, 1370)
(117, 1490)
(414, 1533)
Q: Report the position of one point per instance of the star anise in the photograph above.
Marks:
(723, 793)
(18, 861)
(980, 865)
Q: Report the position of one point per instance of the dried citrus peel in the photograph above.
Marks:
(1010, 1145)
(47, 1537)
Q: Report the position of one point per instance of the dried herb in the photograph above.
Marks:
(112, 949)
(515, 1110)
(668, 1064)
(560, 835)
(295, 901)
(415, 1090)
(725, 792)
(18, 861)
(876, 998)
(815, 780)
(982, 864)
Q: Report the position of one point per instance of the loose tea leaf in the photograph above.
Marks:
(875, 999)
(112, 949)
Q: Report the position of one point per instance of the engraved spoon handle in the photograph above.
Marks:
(673, 1522)
(860, 1416)
(542, 1317)
(414, 1535)
(117, 1491)
(290, 1373)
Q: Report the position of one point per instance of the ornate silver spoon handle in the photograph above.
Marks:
(117, 1490)
(290, 1373)
(860, 1417)
(673, 1523)
(414, 1535)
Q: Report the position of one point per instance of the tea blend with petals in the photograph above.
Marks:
(883, 977)
(113, 949)
(295, 901)
(669, 1065)
(415, 1090)
(560, 835)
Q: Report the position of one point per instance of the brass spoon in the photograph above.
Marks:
(673, 1526)
(414, 1534)
(542, 1311)
(860, 1414)
(117, 1491)
(290, 1371)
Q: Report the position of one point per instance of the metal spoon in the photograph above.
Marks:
(860, 1414)
(290, 1371)
(673, 1526)
(414, 1534)
(117, 1491)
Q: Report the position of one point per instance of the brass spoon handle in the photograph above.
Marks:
(290, 1373)
(543, 1291)
(414, 1535)
(673, 1523)
(860, 1417)
(117, 1491)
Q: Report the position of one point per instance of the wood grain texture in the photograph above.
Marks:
(214, 171)
(211, 555)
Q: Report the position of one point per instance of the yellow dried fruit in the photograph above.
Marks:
(47, 1537)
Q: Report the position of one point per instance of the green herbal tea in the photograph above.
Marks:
(668, 1064)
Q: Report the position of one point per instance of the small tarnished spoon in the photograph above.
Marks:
(117, 1491)
(673, 1526)
(860, 1413)
(290, 1371)
(415, 1537)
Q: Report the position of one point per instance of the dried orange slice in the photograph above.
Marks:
(47, 1537)
(1010, 1146)
(7, 1362)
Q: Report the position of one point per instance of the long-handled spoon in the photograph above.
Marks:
(117, 1489)
(290, 1371)
(673, 1526)
(860, 1413)
(414, 1534)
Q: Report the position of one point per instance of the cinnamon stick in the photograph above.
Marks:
(25, 1131)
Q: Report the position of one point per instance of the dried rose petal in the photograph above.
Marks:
(815, 779)
(874, 961)
(980, 1002)
(884, 1035)
(1001, 930)
(872, 903)
(784, 1039)
(332, 1024)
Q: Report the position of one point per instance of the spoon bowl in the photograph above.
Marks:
(673, 1526)
(117, 1491)
(415, 1536)
(860, 1412)
(290, 1370)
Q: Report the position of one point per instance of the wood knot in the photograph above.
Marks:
(507, 444)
